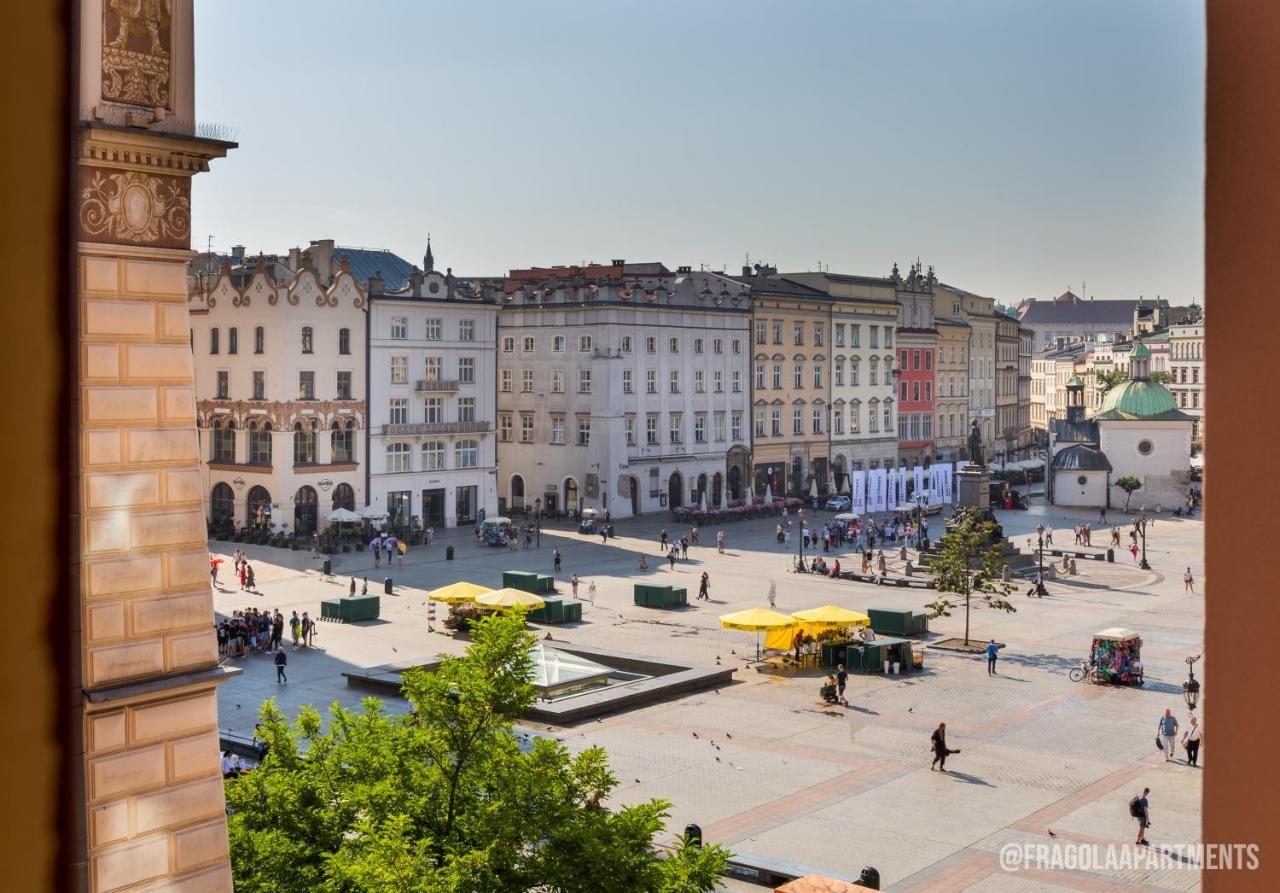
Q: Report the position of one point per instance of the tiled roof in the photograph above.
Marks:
(1080, 458)
(1074, 311)
(1065, 431)
(367, 261)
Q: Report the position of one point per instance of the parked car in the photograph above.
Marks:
(839, 504)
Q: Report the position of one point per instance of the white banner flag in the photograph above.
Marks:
(902, 486)
(878, 478)
(860, 491)
(919, 482)
(948, 479)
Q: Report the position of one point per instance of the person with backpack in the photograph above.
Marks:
(1140, 809)
(282, 660)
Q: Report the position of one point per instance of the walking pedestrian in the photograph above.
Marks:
(1140, 809)
(295, 629)
(1102, 515)
(573, 584)
(281, 661)
(992, 650)
(591, 592)
(704, 588)
(662, 539)
(773, 594)
(402, 548)
(556, 556)
(1048, 534)
(842, 678)
(720, 541)
(213, 569)
(671, 556)
(1188, 582)
(241, 573)
(308, 630)
(684, 546)
(248, 577)
(938, 743)
(604, 534)
(1191, 739)
(351, 593)
(1115, 536)
(1133, 550)
(277, 630)
(1167, 730)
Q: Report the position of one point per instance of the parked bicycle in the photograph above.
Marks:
(1086, 672)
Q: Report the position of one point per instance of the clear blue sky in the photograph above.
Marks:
(1018, 145)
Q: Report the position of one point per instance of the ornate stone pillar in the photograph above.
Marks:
(148, 665)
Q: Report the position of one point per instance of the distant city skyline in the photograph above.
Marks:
(1019, 148)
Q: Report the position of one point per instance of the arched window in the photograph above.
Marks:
(466, 454)
(259, 443)
(342, 437)
(213, 341)
(259, 340)
(305, 504)
(306, 339)
(224, 441)
(233, 340)
(344, 497)
(344, 341)
(398, 457)
(304, 444)
(517, 492)
(222, 503)
(258, 507)
(888, 414)
(433, 456)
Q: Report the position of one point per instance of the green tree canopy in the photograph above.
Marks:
(1130, 484)
(445, 798)
(970, 565)
(1108, 379)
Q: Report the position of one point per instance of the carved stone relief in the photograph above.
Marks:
(133, 208)
(136, 57)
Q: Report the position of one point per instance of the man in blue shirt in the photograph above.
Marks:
(992, 649)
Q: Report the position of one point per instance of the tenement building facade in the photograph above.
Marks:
(917, 347)
(623, 388)
(432, 401)
(140, 639)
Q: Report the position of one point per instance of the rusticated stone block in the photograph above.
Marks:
(118, 663)
(105, 621)
(100, 275)
(106, 533)
(107, 404)
(106, 731)
(192, 650)
(173, 528)
(164, 362)
(182, 485)
(196, 755)
(201, 845)
(179, 404)
(171, 612)
(111, 576)
(101, 447)
(211, 880)
(101, 361)
(132, 864)
(175, 323)
(118, 319)
(131, 770)
(108, 823)
(156, 279)
(109, 491)
(173, 719)
(185, 570)
(155, 445)
(180, 804)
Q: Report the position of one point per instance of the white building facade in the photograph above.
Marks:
(432, 404)
(279, 376)
(1186, 369)
(627, 397)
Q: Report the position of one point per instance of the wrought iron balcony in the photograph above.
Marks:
(439, 384)
(418, 428)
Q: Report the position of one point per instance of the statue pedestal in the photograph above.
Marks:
(975, 487)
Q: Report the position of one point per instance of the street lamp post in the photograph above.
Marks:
(1191, 688)
(537, 520)
(1142, 531)
(800, 541)
(1040, 590)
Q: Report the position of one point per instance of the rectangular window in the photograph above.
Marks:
(717, 345)
(399, 327)
(526, 427)
(874, 332)
(700, 427)
(557, 344)
(466, 330)
(224, 384)
(855, 336)
(777, 331)
(466, 409)
(839, 334)
(629, 425)
(344, 341)
(928, 391)
(837, 423)
(902, 427)
(1195, 375)
(915, 391)
(817, 377)
(505, 379)
(873, 424)
(399, 370)
(927, 430)
(761, 332)
(398, 411)
(675, 427)
(798, 333)
(797, 421)
(797, 378)
(777, 376)
(673, 345)
(306, 385)
(650, 344)
(344, 385)
(233, 340)
(675, 381)
(928, 359)
(915, 359)
(735, 426)
(915, 426)
(435, 409)
(717, 381)
(626, 344)
(699, 381)
(839, 375)
(584, 381)
(775, 421)
(1195, 399)
(651, 381)
(718, 429)
(259, 340)
(505, 427)
(626, 381)
(888, 416)
(213, 341)
(737, 346)
(433, 456)
(526, 381)
(819, 334)
(467, 370)
(435, 329)
(759, 422)
(903, 395)
(697, 345)
(433, 368)
(584, 430)
(584, 344)
(759, 376)
(902, 361)
(526, 344)
(557, 381)
(508, 344)
(259, 384)
(651, 429)
(817, 420)
(736, 381)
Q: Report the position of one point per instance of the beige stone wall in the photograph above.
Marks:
(152, 784)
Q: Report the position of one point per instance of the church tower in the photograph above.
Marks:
(144, 697)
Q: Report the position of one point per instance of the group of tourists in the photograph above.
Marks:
(256, 632)
(387, 545)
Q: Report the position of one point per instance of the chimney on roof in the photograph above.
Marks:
(415, 282)
(746, 269)
(684, 269)
(237, 253)
(449, 293)
(618, 262)
(374, 285)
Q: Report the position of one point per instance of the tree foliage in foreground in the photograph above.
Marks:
(1130, 484)
(971, 566)
(443, 800)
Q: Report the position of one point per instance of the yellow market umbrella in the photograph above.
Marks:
(757, 620)
(509, 598)
(832, 615)
(457, 593)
